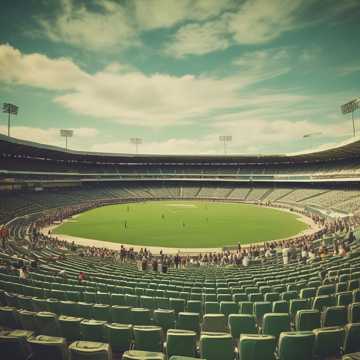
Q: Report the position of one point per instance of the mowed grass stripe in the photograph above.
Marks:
(199, 224)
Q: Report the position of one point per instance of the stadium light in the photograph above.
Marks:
(136, 142)
(225, 139)
(10, 109)
(66, 134)
(350, 107)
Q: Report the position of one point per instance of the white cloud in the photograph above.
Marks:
(198, 39)
(129, 96)
(152, 14)
(49, 136)
(108, 28)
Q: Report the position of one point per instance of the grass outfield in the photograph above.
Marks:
(183, 224)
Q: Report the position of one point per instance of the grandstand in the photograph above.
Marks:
(209, 306)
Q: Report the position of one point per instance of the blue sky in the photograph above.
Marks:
(179, 73)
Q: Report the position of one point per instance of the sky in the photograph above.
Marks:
(180, 73)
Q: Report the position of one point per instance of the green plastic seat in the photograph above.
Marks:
(69, 308)
(334, 316)
(92, 330)
(165, 319)
(214, 323)
(131, 300)
(241, 324)
(188, 321)
(280, 306)
(354, 313)
(194, 306)
(325, 290)
(53, 306)
(307, 320)
(289, 295)
(275, 323)
(103, 298)
(117, 299)
(229, 307)
(74, 296)
(70, 327)
(212, 307)
(296, 345)
(101, 312)
(85, 310)
(181, 343)
(214, 346)
(239, 297)
(351, 340)
(328, 341)
(308, 293)
(246, 307)
(148, 302)
(178, 305)
(89, 350)
(256, 297)
(14, 346)
(148, 338)
(24, 302)
(296, 305)
(27, 320)
(255, 347)
(39, 304)
(260, 309)
(48, 347)
(119, 336)
(344, 298)
(142, 355)
(140, 316)
(163, 303)
(89, 297)
(272, 296)
(324, 301)
(120, 314)
(46, 323)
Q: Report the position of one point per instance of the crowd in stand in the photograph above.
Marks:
(300, 248)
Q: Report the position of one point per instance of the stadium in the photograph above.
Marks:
(177, 181)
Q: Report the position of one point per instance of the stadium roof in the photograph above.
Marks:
(21, 148)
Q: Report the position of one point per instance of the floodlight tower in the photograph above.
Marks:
(350, 107)
(225, 139)
(66, 134)
(10, 109)
(136, 142)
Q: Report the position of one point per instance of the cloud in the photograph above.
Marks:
(49, 136)
(198, 39)
(154, 14)
(108, 28)
(348, 69)
(128, 96)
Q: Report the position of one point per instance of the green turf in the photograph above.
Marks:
(183, 224)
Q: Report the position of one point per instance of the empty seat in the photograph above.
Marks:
(85, 310)
(70, 327)
(241, 324)
(229, 307)
(322, 302)
(214, 346)
(120, 314)
(101, 312)
(89, 350)
(352, 336)
(48, 347)
(328, 341)
(27, 319)
(255, 347)
(334, 316)
(260, 309)
(142, 355)
(148, 338)
(140, 316)
(119, 336)
(92, 330)
(117, 299)
(69, 308)
(274, 324)
(344, 298)
(194, 306)
(307, 320)
(296, 305)
(354, 312)
(212, 307)
(296, 345)
(214, 323)
(8, 317)
(165, 319)
(308, 293)
(246, 307)
(178, 305)
(46, 323)
(188, 321)
(14, 346)
(181, 343)
(163, 303)
(280, 306)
